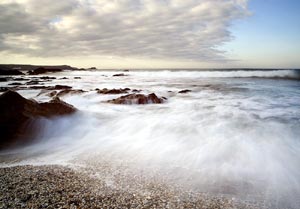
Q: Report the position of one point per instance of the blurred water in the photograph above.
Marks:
(230, 135)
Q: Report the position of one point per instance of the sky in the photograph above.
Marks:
(151, 33)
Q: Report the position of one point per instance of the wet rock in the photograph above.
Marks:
(59, 87)
(52, 93)
(15, 84)
(42, 70)
(120, 74)
(137, 99)
(21, 79)
(3, 79)
(10, 72)
(3, 89)
(33, 82)
(113, 91)
(16, 112)
(184, 91)
(47, 78)
(69, 91)
(39, 87)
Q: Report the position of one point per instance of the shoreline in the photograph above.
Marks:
(55, 186)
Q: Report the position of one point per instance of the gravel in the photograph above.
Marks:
(56, 186)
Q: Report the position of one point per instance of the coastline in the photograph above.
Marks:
(55, 186)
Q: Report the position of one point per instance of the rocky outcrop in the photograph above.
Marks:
(42, 70)
(137, 99)
(10, 72)
(113, 91)
(16, 113)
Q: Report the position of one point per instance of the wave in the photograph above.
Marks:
(293, 74)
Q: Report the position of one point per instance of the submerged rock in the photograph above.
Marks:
(120, 74)
(137, 99)
(184, 91)
(59, 87)
(16, 112)
(69, 91)
(113, 91)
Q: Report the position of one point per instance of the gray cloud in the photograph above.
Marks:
(189, 29)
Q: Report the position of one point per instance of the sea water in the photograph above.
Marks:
(236, 133)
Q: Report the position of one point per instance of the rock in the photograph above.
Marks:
(63, 78)
(93, 68)
(39, 87)
(125, 70)
(113, 91)
(69, 91)
(21, 79)
(59, 87)
(184, 91)
(77, 77)
(33, 82)
(42, 70)
(3, 89)
(120, 74)
(15, 84)
(10, 72)
(3, 79)
(137, 99)
(52, 93)
(16, 113)
(47, 78)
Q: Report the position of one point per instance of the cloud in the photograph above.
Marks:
(177, 29)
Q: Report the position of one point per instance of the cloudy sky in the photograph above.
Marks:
(151, 33)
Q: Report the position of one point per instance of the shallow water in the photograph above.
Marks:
(237, 133)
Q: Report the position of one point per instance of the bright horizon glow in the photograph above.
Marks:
(151, 34)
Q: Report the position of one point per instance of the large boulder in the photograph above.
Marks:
(137, 99)
(16, 113)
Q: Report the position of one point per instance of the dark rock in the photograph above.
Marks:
(136, 91)
(15, 84)
(77, 77)
(42, 70)
(69, 91)
(137, 99)
(125, 70)
(10, 72)
(52, 93)
(21, 79)
(184, 91)
(59, 87)
(47, 78)
(16, 113)
(39, 87)
(93, 68)
(33, 82)
(113, 91)
(3, 89)
(120, 74)
(64, 78)
(3, 79)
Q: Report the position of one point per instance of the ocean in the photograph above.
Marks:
(235, 134)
